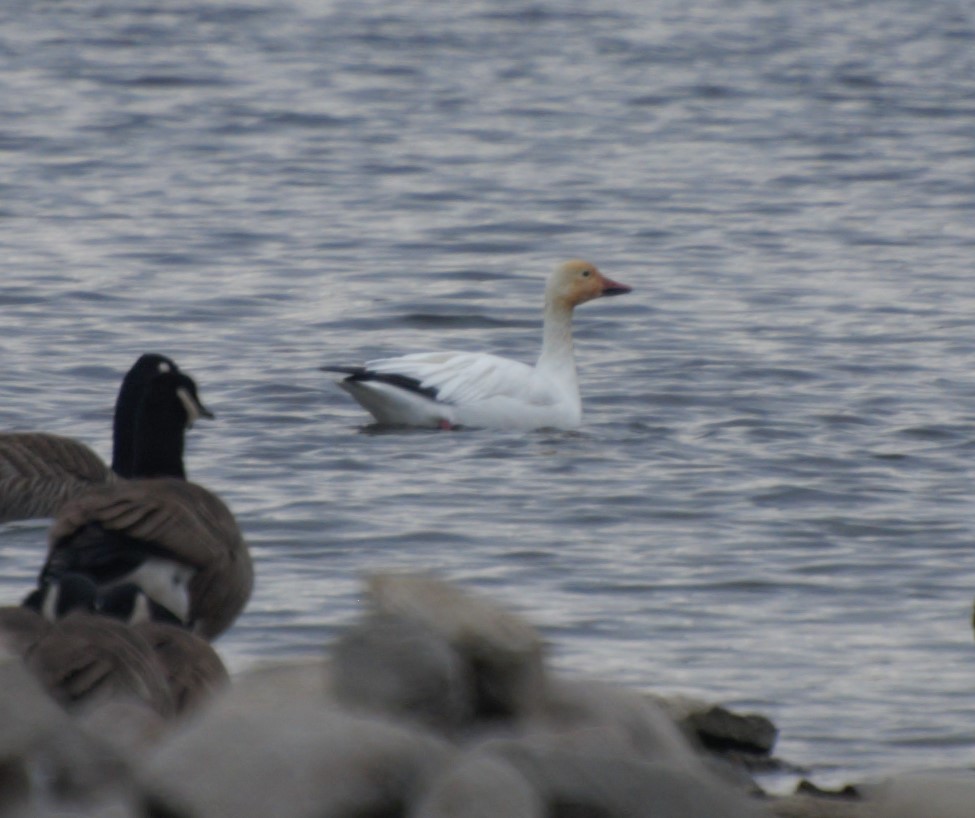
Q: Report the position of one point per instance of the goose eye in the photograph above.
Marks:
(586, 273)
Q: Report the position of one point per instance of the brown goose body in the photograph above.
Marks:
(40, 472)
(192, 667)
(172, 519)
(85, 659)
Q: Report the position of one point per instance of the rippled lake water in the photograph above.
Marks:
(770, 503)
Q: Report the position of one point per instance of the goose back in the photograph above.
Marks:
(192, 667)
(163, 517)
(83, 659)
(40, 472)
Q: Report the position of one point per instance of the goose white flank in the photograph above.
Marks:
(448, 389)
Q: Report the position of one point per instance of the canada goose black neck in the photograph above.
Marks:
(133, 388)
(161, 423)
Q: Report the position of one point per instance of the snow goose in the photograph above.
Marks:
(447, 389)
(40, 472)
(175, 540)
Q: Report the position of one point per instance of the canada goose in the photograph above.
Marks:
(63, 595)
(193, 670)
(160, 531)
(130, 396)
(130, 603)
(191, 666)
(22, 626)
(58, 653)
(39, 472)
(84, 659)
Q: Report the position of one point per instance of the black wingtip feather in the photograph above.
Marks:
(360, 374)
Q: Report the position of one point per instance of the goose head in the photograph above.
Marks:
(188, 397)
(576, 282)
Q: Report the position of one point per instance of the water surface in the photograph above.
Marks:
(770, 501)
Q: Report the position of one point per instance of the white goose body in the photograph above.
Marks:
(446, 389)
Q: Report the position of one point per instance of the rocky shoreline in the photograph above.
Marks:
(437, 703)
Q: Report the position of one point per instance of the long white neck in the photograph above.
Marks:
(557, 358)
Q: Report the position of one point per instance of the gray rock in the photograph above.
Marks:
(296, 759)
(402, 668)
(921, 795)
(501, 651)
(811, 806)
(599, 718)
(131, 727)
(298, 679)
(581, 785)
(721, 729)
(21, 628)
(48, 764)
(479, 785)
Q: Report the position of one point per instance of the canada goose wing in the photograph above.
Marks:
(178, 518)
(193, 669)
(40, 472)
(164, 517)
(83, 659)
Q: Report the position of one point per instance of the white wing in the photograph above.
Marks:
(466, 377)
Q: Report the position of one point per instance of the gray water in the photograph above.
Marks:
(770, 501)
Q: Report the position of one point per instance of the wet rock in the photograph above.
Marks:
(48, 764)
(582, 785)
(915, 795)
(269, 683)
(480, 785)
(20, 629)
(502, 653)
(294, 759)
(599, 718)
(402, 668)
(739, 744)
(131, 727)
(721, 730)
(811, 801)
(921, 795)
(816, 806)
